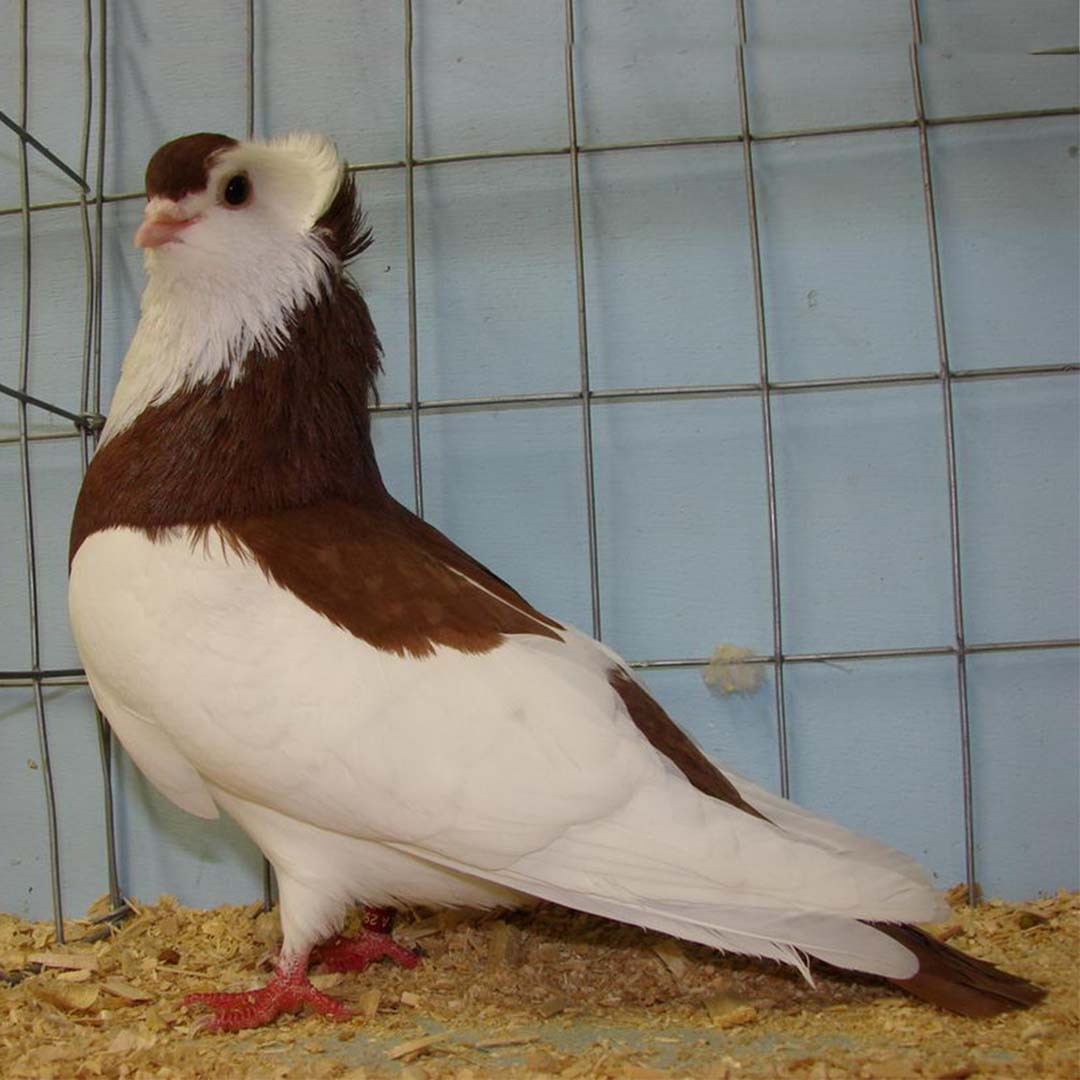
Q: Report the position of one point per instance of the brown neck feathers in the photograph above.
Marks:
(293, 430)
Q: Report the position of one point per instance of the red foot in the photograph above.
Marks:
(372, 943)
(287, 991)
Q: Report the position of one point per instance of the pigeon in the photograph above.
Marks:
(270, 634)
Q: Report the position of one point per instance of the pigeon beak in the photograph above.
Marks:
(162, 222)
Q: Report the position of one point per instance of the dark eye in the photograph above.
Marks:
(237, 190)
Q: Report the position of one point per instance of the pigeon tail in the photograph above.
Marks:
(958, 982)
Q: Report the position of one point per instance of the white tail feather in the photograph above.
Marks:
(805, 825)
(775, 935)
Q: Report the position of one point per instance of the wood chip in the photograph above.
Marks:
(119, 988)
(367, 1004)
(410, 999)
(438, 923)
(729, 1010)
(128, 1040)
(581, 1067)
(542, 1060)
(504, 949)
(553, 1006)
(509, 1040)
(82, 975)
(672, 956)
(67, 997)
(415, 1047)
(69, 961)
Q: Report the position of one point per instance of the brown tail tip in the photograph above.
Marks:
(955, 981)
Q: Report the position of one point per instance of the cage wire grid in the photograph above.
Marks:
(86, 423)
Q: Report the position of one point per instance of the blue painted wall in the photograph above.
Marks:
(680, 484)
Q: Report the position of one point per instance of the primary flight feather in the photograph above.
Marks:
(270, 634)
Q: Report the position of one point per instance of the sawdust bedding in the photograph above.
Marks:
(549, 993)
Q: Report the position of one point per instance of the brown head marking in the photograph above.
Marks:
(181, 166)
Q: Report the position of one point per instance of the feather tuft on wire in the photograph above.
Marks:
(730, 670)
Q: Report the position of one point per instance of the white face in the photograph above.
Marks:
(260, 198)
(228, 265)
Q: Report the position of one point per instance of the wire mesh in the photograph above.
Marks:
(86, 423)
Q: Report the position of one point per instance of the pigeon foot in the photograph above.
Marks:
(288, 990)
(372, 943)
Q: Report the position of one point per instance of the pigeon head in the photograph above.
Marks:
(216, 205)
(245, 244)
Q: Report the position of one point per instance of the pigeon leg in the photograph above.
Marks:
(288, 990)
(372, 943)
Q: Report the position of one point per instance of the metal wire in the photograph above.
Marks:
(99, 199)
(631, 393)
(950, 454)
(646, 144)
(249, 68)
(76, 676)
(27, 488)
(90, 428)
(249, 131)
(90, 310)
(410, 266)
(87, 421)
(766, 408)
(582, 325)
(26, 138)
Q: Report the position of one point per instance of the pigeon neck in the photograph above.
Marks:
(199, 320)
(293, 429)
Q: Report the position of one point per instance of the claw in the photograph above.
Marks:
(372, 943)
(288, 990)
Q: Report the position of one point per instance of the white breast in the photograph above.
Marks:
(215, 678)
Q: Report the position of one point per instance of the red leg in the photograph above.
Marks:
(287, 991)
(372, 943)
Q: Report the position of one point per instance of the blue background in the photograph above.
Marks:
(681, 504)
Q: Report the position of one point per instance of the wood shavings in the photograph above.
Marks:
(552, 1006)
(128, 1040)
(415, 1047)
(510, 1040)
(127, 992)
(367, 1004)
(543, 1061)
(75, 976)
(672, 957)
(575, 996)
(71, 961)
(505, 947)
(66, 996)
(729, 1010)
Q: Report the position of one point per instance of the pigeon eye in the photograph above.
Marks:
(237, 190)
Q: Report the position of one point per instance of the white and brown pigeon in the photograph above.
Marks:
(270, 634)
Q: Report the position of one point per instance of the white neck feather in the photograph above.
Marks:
(196, 324)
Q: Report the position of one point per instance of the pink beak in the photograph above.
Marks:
(162, 223)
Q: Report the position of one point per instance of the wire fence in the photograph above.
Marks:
(85, 423)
